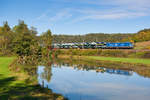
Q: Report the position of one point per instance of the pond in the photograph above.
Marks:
(91, 82)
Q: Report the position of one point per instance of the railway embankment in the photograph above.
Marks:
(113, 55)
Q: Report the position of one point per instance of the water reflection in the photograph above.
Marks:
(87, 82)
(120, 72)
(97, 69)
(44, 75)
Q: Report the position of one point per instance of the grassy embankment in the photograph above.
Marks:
(112, 59)
(13, 86)
(124, 60)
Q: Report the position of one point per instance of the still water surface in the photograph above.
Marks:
(86, 83)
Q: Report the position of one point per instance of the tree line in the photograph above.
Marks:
(92, 37)
(24, 42)
(142, 35)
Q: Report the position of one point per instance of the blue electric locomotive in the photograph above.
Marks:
(124, 45)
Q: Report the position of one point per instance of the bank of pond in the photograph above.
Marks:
(19, 82)
(110, 59)
(106, 53)
(74, 79)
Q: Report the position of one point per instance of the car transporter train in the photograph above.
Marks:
(94, 45)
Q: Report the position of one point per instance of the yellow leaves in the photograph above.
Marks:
(0, 30)
(148, 47)
(143, 35)
(131, 41)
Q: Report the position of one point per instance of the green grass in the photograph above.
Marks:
(12, 88)
(4, 63)
(5, 72)
(118, 59)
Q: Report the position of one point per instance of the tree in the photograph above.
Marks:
(33, 30)
(21, 28)
(47, 42)
(143, 35)
(22, 44)
(6, 27)
(6, 36)
(25, 44)
(47, 38)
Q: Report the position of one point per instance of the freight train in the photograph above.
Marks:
(94, 45)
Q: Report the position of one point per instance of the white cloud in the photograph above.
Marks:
(95, 15)
(127, 3)
(64, 14)
(117, 9)
(51, 16)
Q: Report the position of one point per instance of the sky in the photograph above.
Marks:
(74, 17)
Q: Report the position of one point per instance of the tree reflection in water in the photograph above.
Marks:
(45, 73)
(97, 69)
(104, 66)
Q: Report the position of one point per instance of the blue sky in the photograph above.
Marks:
(78, 16)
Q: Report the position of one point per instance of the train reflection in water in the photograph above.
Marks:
(97, 69)
(120, 72)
